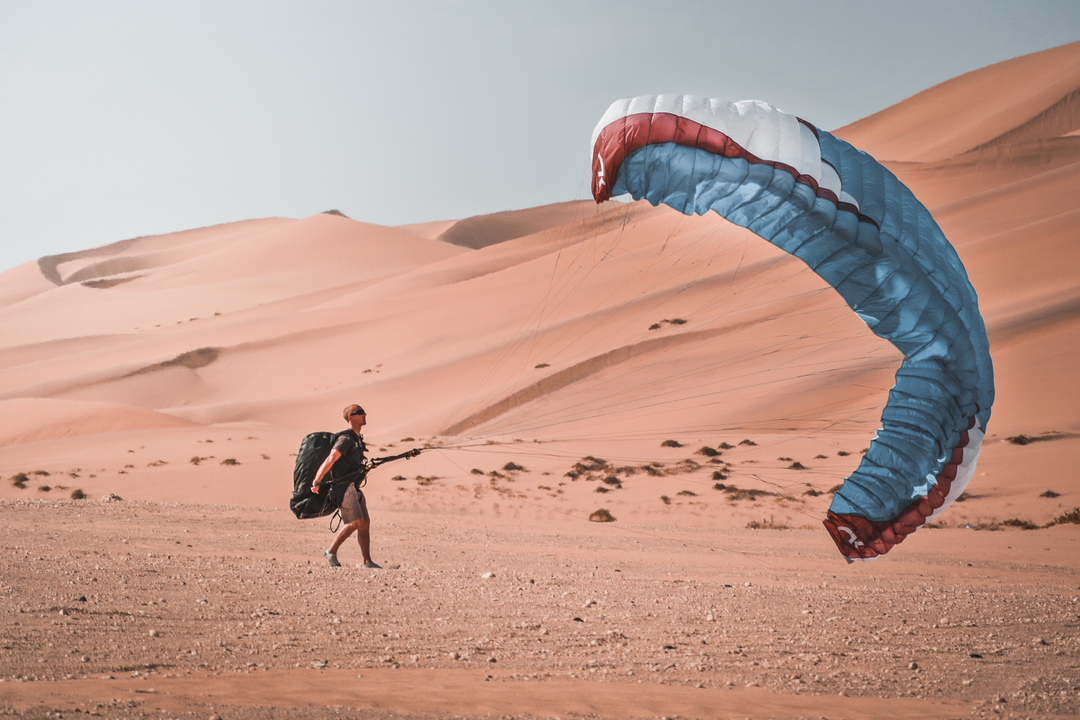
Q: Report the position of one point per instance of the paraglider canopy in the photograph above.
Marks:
(863, 232)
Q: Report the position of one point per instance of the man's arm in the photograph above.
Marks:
(323, 469)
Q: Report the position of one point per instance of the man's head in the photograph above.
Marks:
(352, 410)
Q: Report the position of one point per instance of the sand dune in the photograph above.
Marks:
(1030, 97)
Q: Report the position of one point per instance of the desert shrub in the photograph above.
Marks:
(718, 475)
(407, 439)
(654, 326)
(671, 443)
(749, 443)
(477, 471)
(399, 478)
(1021, 439)
(796, 466)
(612, 480)
(836, 488)
(1049, 494)
(513, 467)
(19, 480)
(229, 461)
(821, 457)
(44, 488)
(784, 459)
(78, 494)
(677, 321)
(1070, 518)
(725, 446)
(542, 365)
(1018, 523)
(769, 524)
(843, 453)
(41, 473)
(735, 494)
(707, 451)
(688, 493)
(601, 515)
(813, 493)
(603, 489)
(666, 499)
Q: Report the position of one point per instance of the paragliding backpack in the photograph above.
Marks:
(314, 449)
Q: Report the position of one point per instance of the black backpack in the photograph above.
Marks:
(314, 449)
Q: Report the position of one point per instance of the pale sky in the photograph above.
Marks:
(121, 119)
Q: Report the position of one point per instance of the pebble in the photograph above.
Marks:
(488, 575)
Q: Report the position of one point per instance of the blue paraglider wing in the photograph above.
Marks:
(863, 232)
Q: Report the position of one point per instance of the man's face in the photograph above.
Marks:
(358, 420)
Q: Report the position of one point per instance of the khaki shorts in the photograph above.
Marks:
(354, 506)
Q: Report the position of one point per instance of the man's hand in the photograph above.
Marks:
(315, 488)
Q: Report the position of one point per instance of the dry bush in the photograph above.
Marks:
(769, 524)
(44, 488)
(671, 444)
(1050, 494)
(19, 480)
(707, 451)
(718, 475)
(666, 499)
(813, 493)
(725, 446)
(796, 466)
(1070, 518)
(601, 515)
(688, 493)
(749, 443)
(1018, 523)
(513, 467)
(843, 453)
(735, 494)
(477, 471)
(229, 461)
(78, 494)
(836, 488)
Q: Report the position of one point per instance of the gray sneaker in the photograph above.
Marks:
(331, 558)
(371, 566)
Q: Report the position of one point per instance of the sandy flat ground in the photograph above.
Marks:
(121, 608)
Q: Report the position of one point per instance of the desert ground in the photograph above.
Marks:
(631, 424)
